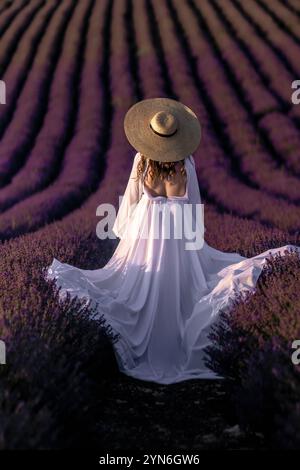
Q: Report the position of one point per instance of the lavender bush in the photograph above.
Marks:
(51, 383)
(252, 348)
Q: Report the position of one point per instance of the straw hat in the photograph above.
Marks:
(162, 129)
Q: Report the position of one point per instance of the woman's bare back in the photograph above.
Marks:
(174, 186)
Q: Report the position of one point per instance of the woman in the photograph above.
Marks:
(162, 289)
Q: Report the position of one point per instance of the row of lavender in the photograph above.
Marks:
(242, 149)
(110, 71)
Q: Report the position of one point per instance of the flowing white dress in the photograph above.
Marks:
(160, 297)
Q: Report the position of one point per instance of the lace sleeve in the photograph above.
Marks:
(129, 201)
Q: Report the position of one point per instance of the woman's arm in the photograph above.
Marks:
(131, 197)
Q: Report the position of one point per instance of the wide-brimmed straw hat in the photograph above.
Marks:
(162, 129)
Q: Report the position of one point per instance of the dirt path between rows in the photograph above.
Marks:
(192, 415)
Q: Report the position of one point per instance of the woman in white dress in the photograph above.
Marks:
(164, 286)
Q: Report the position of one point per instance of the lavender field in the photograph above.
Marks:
(72, 69)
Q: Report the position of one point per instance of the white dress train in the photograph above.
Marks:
(159, 296)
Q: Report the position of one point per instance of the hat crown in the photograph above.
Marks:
(164, 123)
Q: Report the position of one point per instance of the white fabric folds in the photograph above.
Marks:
(160, 296)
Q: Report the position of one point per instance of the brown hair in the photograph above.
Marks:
(158, 169)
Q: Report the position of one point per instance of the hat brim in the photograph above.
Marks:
(143, 139)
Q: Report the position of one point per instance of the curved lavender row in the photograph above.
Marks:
(285, 139)
(247, 234)
(265, 60)
(151, 84)
(239, 58)
(268, 65)
(237, 231)
(80, 225)
(82, 165)
(215, 175)
(283, 17)
(11, 12)
(16, 29)
(46, 157)
(6, 5)
(249, 209)
(269, 55)
(253, 97)
(240, 127)
(283, 43)
(254, 208)
(32, 102)
(17, 70)
(294, 4)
